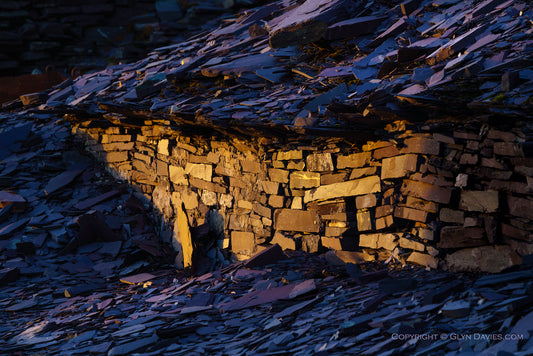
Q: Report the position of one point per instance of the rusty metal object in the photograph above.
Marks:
(13, 87)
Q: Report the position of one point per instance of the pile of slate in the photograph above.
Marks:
(328, 64)
(76, 33)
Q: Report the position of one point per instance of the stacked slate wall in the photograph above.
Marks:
(452, 196)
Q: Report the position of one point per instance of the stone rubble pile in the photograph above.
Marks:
(81, 35)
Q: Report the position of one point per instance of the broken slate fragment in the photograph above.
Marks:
(456, 309)
(325, 99)
(62, 180)
(83, 289)
(8, 275)
(130, 347)
(22, 305)
(305, 23)
(7, 198)
(268, 256)
(87, 203)
(302, 288)
(354, 27)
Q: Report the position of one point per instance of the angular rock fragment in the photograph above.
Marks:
(305, 23)
(491, 259)
(268, 256)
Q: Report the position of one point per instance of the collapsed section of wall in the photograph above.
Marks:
(450, 196)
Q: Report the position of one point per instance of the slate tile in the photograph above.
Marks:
(62, 180)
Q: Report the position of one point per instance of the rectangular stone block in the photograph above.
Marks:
(202, 184)
(364, 220)
(177, 175)
(288, 155)
(384, 222)
(482, 201)
(366, 201)
(335, 230)
(468, 159)
(242, 242)
(362, 172)
(423, 259)
(452, 216)
(384, 152)
(333, 243)
(310, 243)
(200, 171)
(163, 147)
(118, 156)
(356, 187)
(286, 242)
(319, 162)
(520, 207)
(251, 166)
(404, 212)
(491, 259)
(238, 182)
(508, 149)
(244, 204)
(296, 165)
(384, 210)
(268, 187)
(224, 170)
(262, 210)
(411, 245)
(398, 166)
(239, 222)
(161, 168)
(460, 237)
(426, 191)
(369, 240)
(278, 175)
(276, 201)
(300, 180)
(330, 178)
(379, 240)
(118, 146)
(421, 204)
(354, 160)
(115, 138)
(296, 220)
(423, 145)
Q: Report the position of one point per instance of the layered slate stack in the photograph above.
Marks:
(68, 34)
(414, 146)
(416, 197)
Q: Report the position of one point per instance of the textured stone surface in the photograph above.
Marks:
(423, 260)
(243, 242)
(319, 162)
(398, 166)
(426, 191)
(361, 186)
(354, 160)
(296, 220)
(301, 180)
(492, 259)
(482, 201)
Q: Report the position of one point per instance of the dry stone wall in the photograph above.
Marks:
(451, 196)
